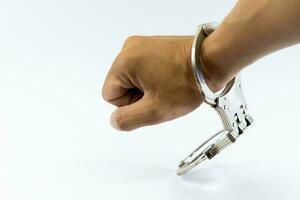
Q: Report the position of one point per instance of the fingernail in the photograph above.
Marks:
(113, 121)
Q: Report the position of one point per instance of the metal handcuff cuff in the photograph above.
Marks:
(230, 104)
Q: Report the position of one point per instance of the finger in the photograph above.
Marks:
(141, 113)
(119, 92)
(130, 96)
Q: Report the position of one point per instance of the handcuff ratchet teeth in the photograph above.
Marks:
(230, 104)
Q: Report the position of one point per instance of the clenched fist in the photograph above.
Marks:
(151, 81)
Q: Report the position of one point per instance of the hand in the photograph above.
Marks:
(151, 81)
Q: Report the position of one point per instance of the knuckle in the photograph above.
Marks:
(104, 92)
(104, 96)
(129, 58)
(133, 39)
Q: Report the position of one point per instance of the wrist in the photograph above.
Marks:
(219, 65)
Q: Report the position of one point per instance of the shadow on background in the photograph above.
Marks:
(248, 181)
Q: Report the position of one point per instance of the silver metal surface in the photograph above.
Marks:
(230, 104)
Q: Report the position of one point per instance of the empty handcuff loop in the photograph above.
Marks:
(230, 104)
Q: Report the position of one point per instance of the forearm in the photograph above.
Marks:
(253, 29)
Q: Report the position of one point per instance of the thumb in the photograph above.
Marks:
(140, 113)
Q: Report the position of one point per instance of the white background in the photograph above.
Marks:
(55, 137)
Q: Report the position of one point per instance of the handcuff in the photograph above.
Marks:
(230, 104)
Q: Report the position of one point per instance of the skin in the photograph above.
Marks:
(151, 80)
